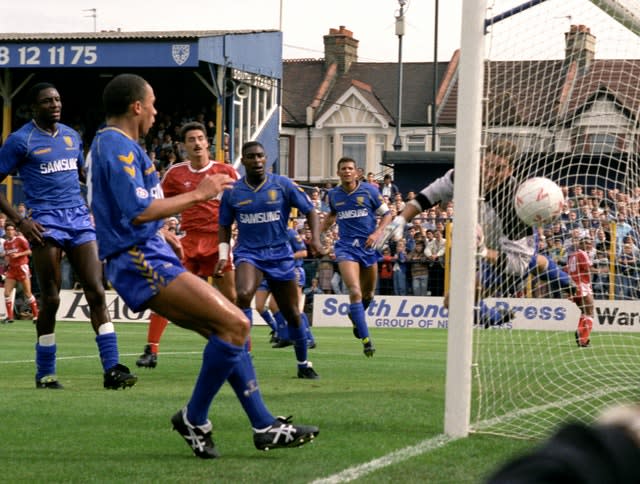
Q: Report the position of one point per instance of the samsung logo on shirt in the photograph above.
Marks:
(259, 218)
(361, 212)
(64, 164)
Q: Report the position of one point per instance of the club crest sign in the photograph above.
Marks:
(180, 53)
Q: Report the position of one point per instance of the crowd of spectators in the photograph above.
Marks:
(415, 265)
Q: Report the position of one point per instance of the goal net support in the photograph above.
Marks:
(560, 79)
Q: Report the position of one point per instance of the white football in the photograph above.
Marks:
(538, 201)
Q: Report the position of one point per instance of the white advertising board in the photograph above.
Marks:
(429, 312)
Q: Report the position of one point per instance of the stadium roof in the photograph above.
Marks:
(121, 35)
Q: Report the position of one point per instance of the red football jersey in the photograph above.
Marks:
(182, 178)
(579, 267)
(17, 244)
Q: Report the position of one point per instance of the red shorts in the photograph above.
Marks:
(582, 290)
(18, 273)
(201, 254)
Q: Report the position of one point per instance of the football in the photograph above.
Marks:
(538, 201)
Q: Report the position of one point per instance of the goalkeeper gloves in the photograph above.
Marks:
(394, 230)
(480, 247)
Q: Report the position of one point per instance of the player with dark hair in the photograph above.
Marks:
(579, 268)
(355, 206)
(200, 224)
(507, 246)
(49, 157)
(260, 205)
(16, 252)
(129, 208)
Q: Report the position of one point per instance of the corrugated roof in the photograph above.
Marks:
(120, 35)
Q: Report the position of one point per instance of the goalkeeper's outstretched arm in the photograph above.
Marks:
(441, 190)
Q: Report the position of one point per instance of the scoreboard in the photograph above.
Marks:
(99, 54)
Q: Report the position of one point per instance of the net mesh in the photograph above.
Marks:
(562, 84)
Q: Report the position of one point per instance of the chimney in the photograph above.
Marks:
(341, 48)
(580, 46)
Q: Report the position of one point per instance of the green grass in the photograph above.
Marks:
(380, 412)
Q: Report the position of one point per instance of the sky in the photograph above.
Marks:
(303, 22)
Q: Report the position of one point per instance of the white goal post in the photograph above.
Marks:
(561, 80)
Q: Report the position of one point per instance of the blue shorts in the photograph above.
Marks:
(138, 274)
(67, 227)
(275, 263)
(301, 279)
(363, 256)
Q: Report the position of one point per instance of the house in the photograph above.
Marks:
(574, 119)
(337, 106)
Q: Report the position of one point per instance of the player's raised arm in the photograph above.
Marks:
(209, 187)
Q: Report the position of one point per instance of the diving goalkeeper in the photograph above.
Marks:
(507, 247)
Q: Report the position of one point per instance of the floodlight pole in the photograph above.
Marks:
(435, 78)
(397, 142)
(93, 13)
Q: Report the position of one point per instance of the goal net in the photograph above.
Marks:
(562, 82)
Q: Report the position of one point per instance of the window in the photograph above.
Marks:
(381, 145)
(355, 146)
(605, 143)
(285, 143)
(596, 143)
(415, 142)
(447, 142)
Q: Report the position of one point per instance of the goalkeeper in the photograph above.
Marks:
(506, 245)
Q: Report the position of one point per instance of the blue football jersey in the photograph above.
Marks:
(123, 182)
(355, 211)
(262, 212)
(47, 164)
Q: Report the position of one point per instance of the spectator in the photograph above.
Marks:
(315, 200)
(388, 189)
(600, 276)
(400, 269)
(434, 251)
(325, 270)
(385, 274)
(398, 203)
(419, 269)
(623, 228)
(627, 273)
(606, 452)
(314, 288)
(558, 252)
(372, 180)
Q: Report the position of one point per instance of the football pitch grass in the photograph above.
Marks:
(380, 419)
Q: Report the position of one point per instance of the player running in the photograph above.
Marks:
(16, 252)
(128, 205)
(260, 205)
(355, 205)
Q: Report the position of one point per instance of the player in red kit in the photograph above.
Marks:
(17, 251)
(200, 224)
(579, 269)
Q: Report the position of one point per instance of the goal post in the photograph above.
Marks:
(560, 79)
(465, 194)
